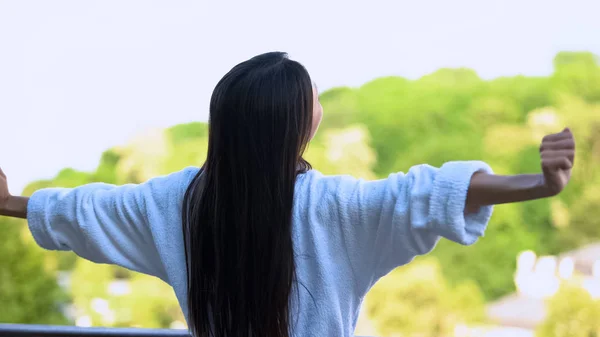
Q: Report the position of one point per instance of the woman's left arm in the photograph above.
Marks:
(105, 223)
(14, 206)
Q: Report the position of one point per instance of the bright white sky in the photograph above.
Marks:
(77, 77)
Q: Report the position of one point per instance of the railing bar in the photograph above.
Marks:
(31, 330)
(27, 330)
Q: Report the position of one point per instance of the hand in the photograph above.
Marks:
(558, 155)
(4, 195)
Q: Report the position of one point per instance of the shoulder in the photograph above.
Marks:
(179, 179)
(333, 195)
(316, 179)
(169, 187)
(315, 182)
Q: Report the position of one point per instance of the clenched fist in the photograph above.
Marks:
(558, 155)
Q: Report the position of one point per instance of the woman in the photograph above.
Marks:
(256, 243)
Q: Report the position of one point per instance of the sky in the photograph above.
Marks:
(78, 77)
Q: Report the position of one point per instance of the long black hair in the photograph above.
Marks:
(237, 212)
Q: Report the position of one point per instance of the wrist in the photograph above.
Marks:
(541, 189)
(4, 201)
(525, 187)
(14, 206)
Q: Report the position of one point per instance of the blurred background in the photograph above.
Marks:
(117, 91)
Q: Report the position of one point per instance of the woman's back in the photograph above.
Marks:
(347, 233)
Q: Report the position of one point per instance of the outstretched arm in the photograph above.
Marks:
(104, 223)
(557, 157)
(383, 224)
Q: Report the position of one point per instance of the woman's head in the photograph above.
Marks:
(237, 212)
(265, 107)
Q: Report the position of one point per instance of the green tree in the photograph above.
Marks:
(577, 73)
(571, 313)
(29, 292)
(415, 300)
(343, 151)
(114, 298)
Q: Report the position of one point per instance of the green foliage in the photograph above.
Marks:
(190, 131)
(416, 300)
(146, 301)
(491, 262)
(343, 151)
(528, 93)
(28, 288)
(106, 171)
(340, 106)
(187, 145)
(488, 110)
(571, 313)
(577, 73)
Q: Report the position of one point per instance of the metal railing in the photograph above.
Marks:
(30, 330)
